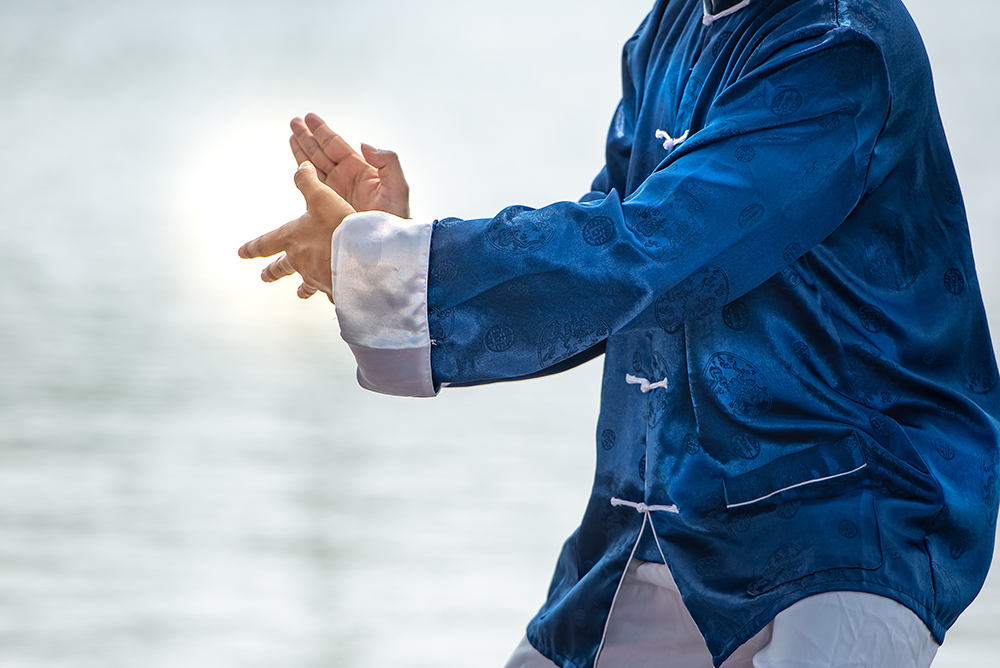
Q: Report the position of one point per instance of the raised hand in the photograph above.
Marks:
(372, 181)
(305, 240)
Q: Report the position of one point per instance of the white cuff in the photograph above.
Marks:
(379, 264)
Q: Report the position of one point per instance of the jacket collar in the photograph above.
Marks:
(717, 9)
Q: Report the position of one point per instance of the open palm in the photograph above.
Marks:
(370, 180)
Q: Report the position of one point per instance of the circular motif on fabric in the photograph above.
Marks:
(608, 439)
(738, 385)
(787, 101)
(892, 549)
(741, 523)
(786, 564)
(954, 281)
(980, 367)
(598, 231)
(642, 468)
(720, 130)
(791, 277)
(647, 163)
(930, 357)
(745, 446)
(746, 153)
(787, 511)
(872, 377)
(792, 252)
(736, 315)
(882, 425)
(991, 461)
(440, 324)
(691, 445)
(751, 215)
(695, 297)
(981, 378)
(561, 339)
(801, 350)
(872, 319)
(637, 362)
(445, 271)
(952, 193)
(499, 338)
(946, 410)
(448, 222)
(809, 180)
(830, 121)
(847, 529)
(519, 230)
(667, 231)
(694, 87)
(708, 567)
(944, 448)
(720, 43)
(894, 261)
(518, 289)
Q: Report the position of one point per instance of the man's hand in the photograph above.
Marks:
(373, 181)
(305, 240)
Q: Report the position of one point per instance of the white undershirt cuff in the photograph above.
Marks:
(379, 265)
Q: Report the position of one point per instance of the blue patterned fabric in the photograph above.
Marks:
(799, 270)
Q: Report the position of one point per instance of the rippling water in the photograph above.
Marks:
(188, 473)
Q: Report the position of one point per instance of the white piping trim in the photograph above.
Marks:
(709, 19)
(644, 385)
(801, 484)
(614, 599)
(645, 510)
(669, 143)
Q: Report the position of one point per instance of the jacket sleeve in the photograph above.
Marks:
(777, 166)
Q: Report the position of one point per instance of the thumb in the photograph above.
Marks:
(390, 172)
(307, 181)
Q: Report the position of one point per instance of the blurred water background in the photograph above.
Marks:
(189, 475)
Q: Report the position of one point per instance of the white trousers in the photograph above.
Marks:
(650, 627)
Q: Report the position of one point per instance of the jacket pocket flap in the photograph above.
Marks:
(806, 470)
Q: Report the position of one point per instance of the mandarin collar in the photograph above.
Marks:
(717, 9)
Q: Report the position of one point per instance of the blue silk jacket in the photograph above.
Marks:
(798, 377)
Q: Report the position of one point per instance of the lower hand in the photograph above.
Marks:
(305, 240)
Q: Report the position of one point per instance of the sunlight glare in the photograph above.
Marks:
(234, 184)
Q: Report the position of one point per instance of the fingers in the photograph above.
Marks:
(306, 291)
(264, 245)
(332, 144)
(308, 183)
(392, 182)
(390, 172)
(309, 148)
(300, 156)
(277, 269)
